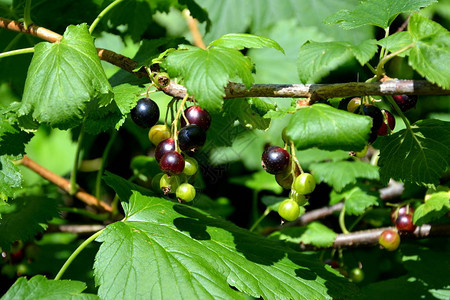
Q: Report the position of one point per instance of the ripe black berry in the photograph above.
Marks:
(404, 223)
(388, 120)
(377, 118)
(164, 147)
(275, 160)
(197, 116)
(404, 210)
(405, 102)
(172, 163)
(145, 113)
(191, 137)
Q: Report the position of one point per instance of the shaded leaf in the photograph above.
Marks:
(12, 138)
(63, 78)
(259, 181)
(10, 177)
(39, 287)
(327, 128)
(24, 217)
(420, 155)
(341, 173)
(397, 41)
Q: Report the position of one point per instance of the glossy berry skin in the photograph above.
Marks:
(169, 184)
(388, 120)
(404, 210)
(404, 223)
(405, 102)
(353, 104)
(299, 198)
(185, 192)
(275, 160)
(191, 138)
(172, 163)
(156, 180)
(284, 180)
(389, 239)
(304, 184)
(158, 133)
(377, 119)
(190, 166)
(289, 210)
(356, 275)
(164, 147)
(145, 113)
(198, 116)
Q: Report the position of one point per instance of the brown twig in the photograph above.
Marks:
(239, 90)
(78, 229)
(366, 238)
(193, 28)
(63, 183)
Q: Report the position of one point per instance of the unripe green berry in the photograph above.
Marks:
(289, 210)
(186, 192)
(169, 184)
(190, 166)
(304, 183)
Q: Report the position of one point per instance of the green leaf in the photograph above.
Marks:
(100, 119)
(426, 276)
(145, 167)
(207, 72)
(433, 209)
(164, 250)
(365, 51)
(397, 41)
(259, 181)
(379, 13)
(259, 106)
(39, 287)
(24, 217)
(63, 78)
(357, 200)
(245, 114)
(341, 173)
(431, 52)
(315, 60)
(314, 233)
(420, 155)
(240, 41)
(134, 14)
(12, 139)
(328, 128)
(272, 202)
(10, 177)
(279, 112)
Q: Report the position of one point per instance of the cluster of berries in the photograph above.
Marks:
(383, 122)
(403, 219)
(171, 152)
(277, 161)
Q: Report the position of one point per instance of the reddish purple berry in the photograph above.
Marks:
(275, 160)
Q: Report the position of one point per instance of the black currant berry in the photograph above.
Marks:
(388, 120)
(191, 137)
(197, 116)
(275, 160)
(404, 223)
(404, 210)
(377, 118)
(145, 113)
(172, 163)
(389, 239)
(405, 102)
(164, 147)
